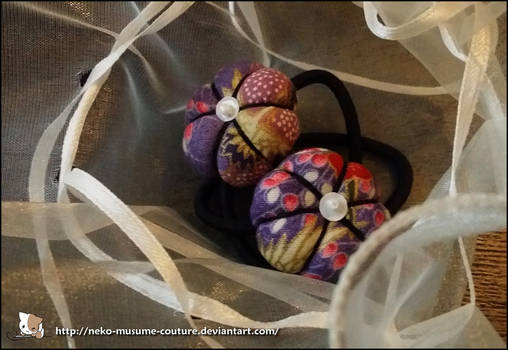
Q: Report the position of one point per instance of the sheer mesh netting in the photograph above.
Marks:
(98, 223)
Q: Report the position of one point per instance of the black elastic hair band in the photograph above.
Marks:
(215, 203)
(318, 76)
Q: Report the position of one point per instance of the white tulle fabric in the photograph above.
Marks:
(388, 295)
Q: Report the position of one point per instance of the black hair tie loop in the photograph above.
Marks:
(242, 233)
(227, 219)
(354, 137)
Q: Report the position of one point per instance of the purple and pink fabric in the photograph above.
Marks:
(292, 235)
(265, 129)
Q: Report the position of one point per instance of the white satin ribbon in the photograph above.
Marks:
(146, 241)
(275, 283)
(350, 78)
(115, 209)
(50, 276)
(474, 73)
(439, 12)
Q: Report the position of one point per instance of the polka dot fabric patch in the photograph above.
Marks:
(292, 234)
(267, 85)
(272, 130)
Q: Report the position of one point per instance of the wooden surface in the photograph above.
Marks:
(489, 273)
(489, 264)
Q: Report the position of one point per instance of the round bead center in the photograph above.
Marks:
(227, 108)
(333, 206)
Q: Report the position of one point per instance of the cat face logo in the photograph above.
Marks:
(30, 326)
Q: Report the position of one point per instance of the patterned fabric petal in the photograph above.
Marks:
(368, 217)
(279, 194)
(267, 86)
(229, 77)
(272, 130)
(358, 183)
(319, 166)
(327, 263)
(237, 162)
(201, 102)
(287, 242)
(200, 143)
(333, 253)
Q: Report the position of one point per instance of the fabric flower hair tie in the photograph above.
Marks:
(242, 124)
(312, 212)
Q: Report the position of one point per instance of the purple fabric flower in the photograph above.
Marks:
(292, 234)
(265, 129)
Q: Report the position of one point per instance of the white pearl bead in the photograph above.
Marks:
(333, 206)
(227, 109)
